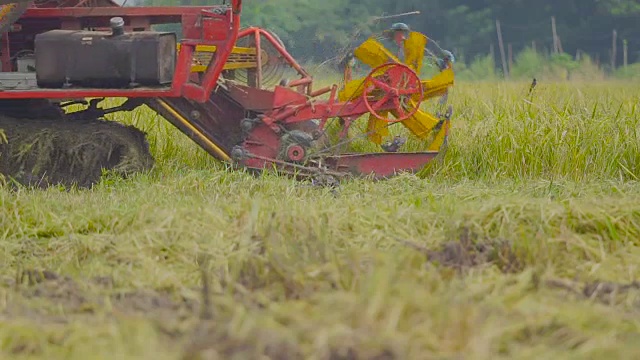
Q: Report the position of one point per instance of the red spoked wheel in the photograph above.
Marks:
(397, 84)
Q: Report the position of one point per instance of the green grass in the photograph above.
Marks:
(300, 272)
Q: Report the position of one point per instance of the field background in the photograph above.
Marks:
(520, 243)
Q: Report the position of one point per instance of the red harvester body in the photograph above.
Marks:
(77, 49)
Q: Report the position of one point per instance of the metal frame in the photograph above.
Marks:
(264, 144)
(201, 26)
(290, 107)
(215, 119)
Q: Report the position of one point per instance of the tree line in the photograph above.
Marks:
(315, 31)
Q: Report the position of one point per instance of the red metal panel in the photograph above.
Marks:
(217, 29)
(183, 67)
(190, 26)
(201, 93)
(381, 165)
(322, 110)
(73, 3)
(71, 24)
(138, 23)
(100, 16)
(251, 98)
(6, 54)
(83, 93)
(214, 29)
(264, 145)
(128, 11)
(283, 96)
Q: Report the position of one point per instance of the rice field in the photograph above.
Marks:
(520, 242)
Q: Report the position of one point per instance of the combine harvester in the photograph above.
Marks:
(214, 85)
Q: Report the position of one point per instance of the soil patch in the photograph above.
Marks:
(468, 251)
(46, 152)
(76, 298)
(605, 292)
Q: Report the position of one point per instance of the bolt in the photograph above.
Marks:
(238, 153)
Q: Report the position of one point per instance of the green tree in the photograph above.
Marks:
(318, 30)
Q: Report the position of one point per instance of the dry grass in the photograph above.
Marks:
(50, 152)
(523, 243)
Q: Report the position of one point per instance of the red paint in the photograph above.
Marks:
(305, 79)
(82, 93)
(396, 82)
(284, 97)
(292, 107)
(381, 165)
(159, 14)
(251, 98)
(288, 107)
(295, 152)
(263, 144)
(213, 29)
(258, 45)
(6, 55)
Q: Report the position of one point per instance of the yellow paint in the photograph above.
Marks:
(438, 140)
(186, 123)
(421, 124)
(414, 47)
(438, 84)
(213, 48)
(227, 66)
(6, 9)
(377, 129)
(374, 54)
(240, 58)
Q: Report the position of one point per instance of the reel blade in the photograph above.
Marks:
(414, 48)
(10, 12)
(377, 129)
(420, 124)
(374, 54)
